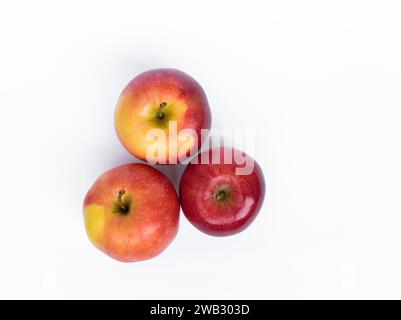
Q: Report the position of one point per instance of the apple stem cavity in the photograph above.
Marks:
(222, 195)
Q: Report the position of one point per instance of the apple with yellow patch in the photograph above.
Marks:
(164, 100)
(132, 212)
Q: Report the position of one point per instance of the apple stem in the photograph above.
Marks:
(220, 195)
(119, 201)
(160, 114)
(120, 194)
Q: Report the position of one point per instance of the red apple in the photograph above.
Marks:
(131, 212)
(215, 198)
(168, 100)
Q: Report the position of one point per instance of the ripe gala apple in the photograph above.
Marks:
(162, 99)
(216, 199)
(131, 212)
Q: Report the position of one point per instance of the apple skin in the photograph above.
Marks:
(139, 106)
(131, 212)
(239, 205)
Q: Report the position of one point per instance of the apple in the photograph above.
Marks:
(215, 198)
(167, 100)
(131, 212)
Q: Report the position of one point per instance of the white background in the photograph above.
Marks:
(320, 83)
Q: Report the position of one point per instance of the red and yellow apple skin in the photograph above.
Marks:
(131, 212)
(216, 200)
(151, 101)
